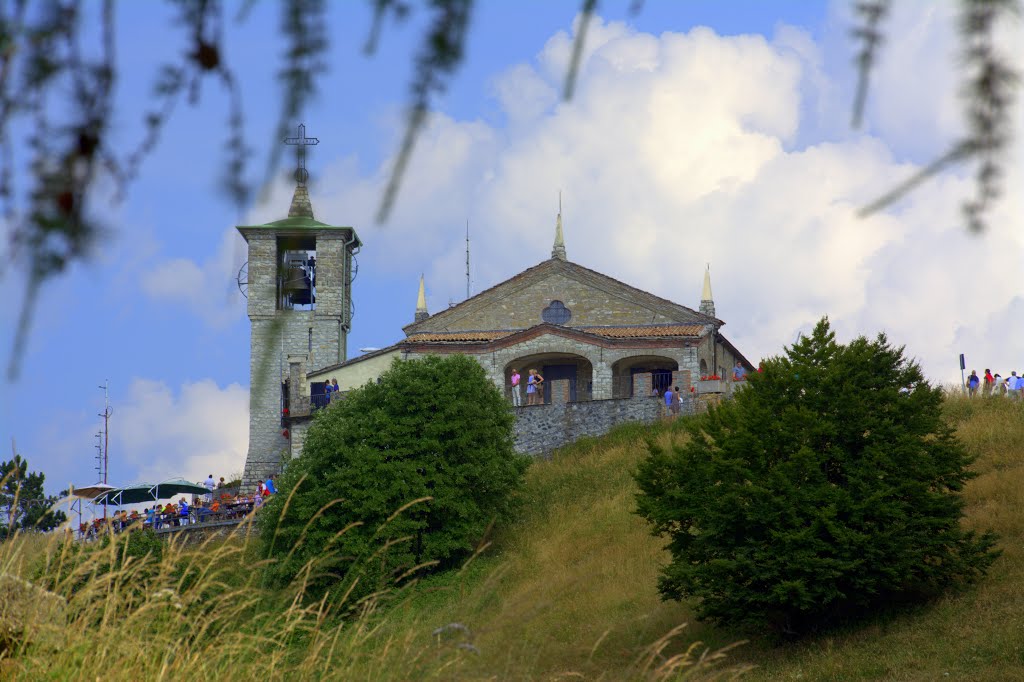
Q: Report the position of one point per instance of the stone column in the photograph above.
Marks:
(560, 391)
(298, 394)
(682, 378)
(641, 385)
(602, 381)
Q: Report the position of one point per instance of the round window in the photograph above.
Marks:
(556, 313)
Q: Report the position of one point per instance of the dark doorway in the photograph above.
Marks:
(555, 372)
(317, 394)
(661, 379)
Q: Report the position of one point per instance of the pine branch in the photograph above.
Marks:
(440, 56)
(872, 13)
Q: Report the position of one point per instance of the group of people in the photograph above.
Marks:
(182, 513)
(331, 388)
(672, 400)
(995, 385)
(534, 388)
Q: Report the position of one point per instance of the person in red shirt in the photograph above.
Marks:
(986, 387)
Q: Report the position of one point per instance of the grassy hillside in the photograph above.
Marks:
(573, 587)
(568, 592)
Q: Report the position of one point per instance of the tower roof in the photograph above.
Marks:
(421, 303)
(301, 206)
(300, 218)
(705, 294)
(558, 250)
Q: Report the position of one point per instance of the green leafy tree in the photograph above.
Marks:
(822, 492)
(403, 473)
(23, 503)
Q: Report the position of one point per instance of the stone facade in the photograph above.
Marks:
(285, 343)
(715, 357)
(539, 429)
(543, 428)
(609, 365)
(593, 299)
(601, 359)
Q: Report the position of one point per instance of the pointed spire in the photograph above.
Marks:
(421, 303)
(558, 250)
(301, 206)
(707, 303)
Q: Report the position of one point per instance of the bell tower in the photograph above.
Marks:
(299, 290)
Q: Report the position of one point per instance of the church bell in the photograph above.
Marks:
(297, 283)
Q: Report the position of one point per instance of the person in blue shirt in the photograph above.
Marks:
(270, 486)
(973, 382)
(668, 400)
(738, 372)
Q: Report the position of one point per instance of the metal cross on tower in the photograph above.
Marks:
(300, 142)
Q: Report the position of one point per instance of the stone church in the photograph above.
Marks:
(587, 333)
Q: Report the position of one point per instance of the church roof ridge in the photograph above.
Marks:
(556, 263)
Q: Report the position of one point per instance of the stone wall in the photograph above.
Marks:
(498, 364)
(543, 428)
(716, 358)
(589, 306)
(283, 339)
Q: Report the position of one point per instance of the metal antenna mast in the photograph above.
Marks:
(467, 259)
(105, 460)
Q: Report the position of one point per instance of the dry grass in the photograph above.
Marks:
(572, 590)
(196, 613)
(569, 592)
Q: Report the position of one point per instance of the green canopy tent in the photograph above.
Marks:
(145, 492)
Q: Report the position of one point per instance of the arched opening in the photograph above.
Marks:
(659, 367)
(553, 366)
(703, 368)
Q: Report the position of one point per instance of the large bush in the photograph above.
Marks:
(435, 428)
(821, 492)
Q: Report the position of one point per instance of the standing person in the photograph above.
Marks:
(972, 383)
(517, 396)
(997, 384)
(269, 486)
(988, 380)
(668, 400)
(210, 486)
(327, 391)
(334, 389)
(1014, 386)
(533, 388)
(676, 400)
(738, 372)
(221, 483)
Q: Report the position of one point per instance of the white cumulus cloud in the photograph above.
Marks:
(680, 149)
(207, 287)
(194, 431)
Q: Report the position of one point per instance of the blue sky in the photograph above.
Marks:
(701, 132)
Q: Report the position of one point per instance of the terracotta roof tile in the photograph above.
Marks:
(458, 337)
(634, 332)
(640, 331)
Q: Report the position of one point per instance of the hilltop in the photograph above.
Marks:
(567, 592)
(572, 587)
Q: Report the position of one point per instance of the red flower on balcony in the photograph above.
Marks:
(284, 411)
(285, 433)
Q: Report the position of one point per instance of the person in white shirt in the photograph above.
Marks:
(210, 485)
